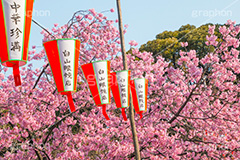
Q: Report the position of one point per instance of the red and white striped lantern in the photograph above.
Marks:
(63, 57)
(121, 90)
(97, 75)
(139, 90)
(15, 25)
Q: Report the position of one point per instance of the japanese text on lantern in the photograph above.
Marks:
(15, 31)
(122, 81)
(140, 89)
(102, 84)
(67, 68)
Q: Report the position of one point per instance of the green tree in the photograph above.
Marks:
(168, 43)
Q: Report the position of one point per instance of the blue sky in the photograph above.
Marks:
(145, 18)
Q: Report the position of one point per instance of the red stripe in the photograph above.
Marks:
(28, 20)
(51, 48)
(77, 51)
(134, 96)
(3, 37)
(89, 74)
(115, 90)
(146, 93)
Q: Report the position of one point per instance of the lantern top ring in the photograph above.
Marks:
(63, 39)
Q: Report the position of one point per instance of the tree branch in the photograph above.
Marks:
(188, 98)
(35, 85)
(43, 28)
(58, 122)
(38, 154)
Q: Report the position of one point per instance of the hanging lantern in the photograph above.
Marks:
(121, 89)
(98, 79)
(15, 25)
(63, 57)
(139, 90)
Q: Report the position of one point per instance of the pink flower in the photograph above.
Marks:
(133, 43)
(100, 15)
(2, 76)
(5, 69)
(78, 17)
(212, 40)
(112, 10)
(211, 29)
(223, 30)
(25, 134)
(93, 11)
(184, 44)
(90, 17)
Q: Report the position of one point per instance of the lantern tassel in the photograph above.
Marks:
(140, 114)
(70, 102)
(16, 75)
(104, 111)
(124, 114)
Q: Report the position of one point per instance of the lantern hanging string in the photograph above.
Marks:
(43, 28)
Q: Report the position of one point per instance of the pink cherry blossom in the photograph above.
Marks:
(133, 43)
(193, 109)
(112, 10)
(211, 29)
(184, 44)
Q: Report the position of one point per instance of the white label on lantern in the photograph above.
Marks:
(14, 13)
(101, 72)
(140, 89)
(66, 50)
(122, 80)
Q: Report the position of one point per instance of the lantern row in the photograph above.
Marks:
(63, 57)
(63, 54)
(100, 81)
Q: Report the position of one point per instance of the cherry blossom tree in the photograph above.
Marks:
(193, 111)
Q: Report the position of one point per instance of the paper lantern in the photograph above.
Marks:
(121, 89)
(63, 57)
(97, 75)
(15, 25)
(139, 90)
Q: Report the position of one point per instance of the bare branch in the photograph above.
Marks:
(58, 122)
(188, 98)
